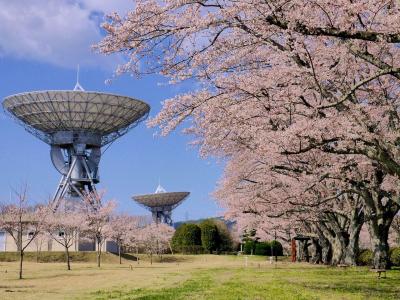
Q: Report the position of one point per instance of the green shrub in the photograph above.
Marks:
(268, 248)
(209, 236)
(249, 247)
(225, 239)
(395, 256)
(365, 257)
(263, 248)
(187, 239)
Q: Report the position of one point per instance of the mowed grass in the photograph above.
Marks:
(195, 277)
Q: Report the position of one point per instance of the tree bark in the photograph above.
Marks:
(316, 255)
(326, 249)
(303, 254)
(379, 232)
(98, 252)
(21, 259)
(299, 249)
(68, 258)
(352, 249)
(343, 231)
(119, 253)
(379, 212)
(337, 251)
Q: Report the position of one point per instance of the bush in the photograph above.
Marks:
(225, 238)
(209, 236)
(365, 257)
(249, 247)
(187, 239)
(263, 248)
(395, 256)
(270, 248)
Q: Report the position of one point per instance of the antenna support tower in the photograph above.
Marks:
(76, 124)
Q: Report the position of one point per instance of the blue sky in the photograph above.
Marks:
(38, 54)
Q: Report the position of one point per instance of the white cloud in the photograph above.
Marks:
(59, 32)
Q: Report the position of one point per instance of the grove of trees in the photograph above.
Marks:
(299, 98)
(92, 220)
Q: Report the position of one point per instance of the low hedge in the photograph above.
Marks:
(395, 256)
(58, 256)
(365, 257)
(263, 248)
(249, 247)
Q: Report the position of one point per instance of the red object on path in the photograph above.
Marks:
(293, 250)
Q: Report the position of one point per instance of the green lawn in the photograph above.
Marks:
(195, 277)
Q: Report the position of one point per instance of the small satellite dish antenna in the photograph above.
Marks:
(78, 86)
(161, 203)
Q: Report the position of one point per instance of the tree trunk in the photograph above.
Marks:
(21, 259)
(316, 255)
(343, 234)
(302, 249)
(326, 255)
(379, 239)
(379, 213)
(119, 253)
(98, 253)
(151, 258)
(352, 249)
(338, 250)
(68, 258)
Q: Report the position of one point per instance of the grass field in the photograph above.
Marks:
(195, 277)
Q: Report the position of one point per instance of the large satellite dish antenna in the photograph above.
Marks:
(161, 203)
(76, 124)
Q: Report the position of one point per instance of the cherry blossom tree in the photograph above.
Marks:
(156, 239)
(125, 231)
(98, 214)
(133, 239)
(280, 79)
(23, 222)
(64, 228)
(331, 199)
(39, 241)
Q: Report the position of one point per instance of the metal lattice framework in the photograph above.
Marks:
(76, 124)
(45, 112)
